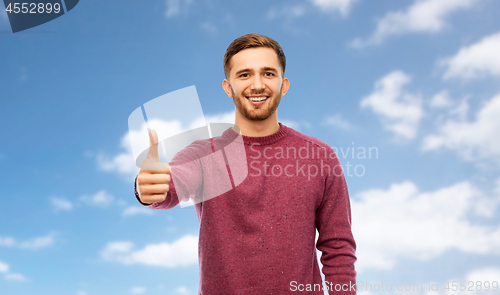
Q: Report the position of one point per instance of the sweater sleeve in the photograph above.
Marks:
(335, 241)
(186, 177)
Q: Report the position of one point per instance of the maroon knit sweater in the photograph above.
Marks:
(259, 237)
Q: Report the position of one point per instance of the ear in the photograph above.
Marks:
(227, 87)
(284, 86)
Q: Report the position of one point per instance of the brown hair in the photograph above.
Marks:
(252, 41)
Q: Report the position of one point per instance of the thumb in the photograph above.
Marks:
(153, 146)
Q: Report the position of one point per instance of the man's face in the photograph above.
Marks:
(256, 83)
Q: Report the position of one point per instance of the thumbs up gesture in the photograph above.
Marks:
(154, 176)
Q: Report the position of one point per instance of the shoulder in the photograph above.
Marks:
(301, 137)
(317, 149)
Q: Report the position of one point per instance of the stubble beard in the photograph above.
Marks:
(259, 112)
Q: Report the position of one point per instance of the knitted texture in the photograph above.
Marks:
(259, 237)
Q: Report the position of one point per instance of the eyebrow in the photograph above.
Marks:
(269, 69)
(264, 69)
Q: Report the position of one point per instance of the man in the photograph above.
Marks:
(259, 237)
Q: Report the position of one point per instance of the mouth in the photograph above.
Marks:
(257, 99)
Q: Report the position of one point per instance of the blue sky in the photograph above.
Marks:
(417, 81)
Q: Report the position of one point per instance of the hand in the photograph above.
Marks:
(154, 176)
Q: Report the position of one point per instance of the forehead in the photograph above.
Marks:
(255, 58)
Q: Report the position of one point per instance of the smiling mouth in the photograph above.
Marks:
(257, 98)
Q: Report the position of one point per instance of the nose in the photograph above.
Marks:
(257, 83)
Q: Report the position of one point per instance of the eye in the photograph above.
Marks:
(269, 74)
(244, 75)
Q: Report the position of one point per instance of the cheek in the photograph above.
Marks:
(277, 87)
(238, 88)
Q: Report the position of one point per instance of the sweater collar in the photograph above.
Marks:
(231, 135)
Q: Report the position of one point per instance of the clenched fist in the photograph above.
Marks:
(154, 176)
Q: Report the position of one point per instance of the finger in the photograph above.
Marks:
(153, 198)
(153, 145)
(154, 178)
(154, 189)
(154, 166)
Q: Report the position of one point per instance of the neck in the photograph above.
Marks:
(257, 128)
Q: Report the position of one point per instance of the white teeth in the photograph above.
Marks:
(260, 98)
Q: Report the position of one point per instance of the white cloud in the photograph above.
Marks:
(489, 274)
(209, 27)
(15, 277)
(182, 252)
(341, 6)
(422, 16)
(291, 123)
(33, 244)
(441, 100)
(473, 140)
(176, 7)
(476, 60)
(287, 11)
(122, 163)
(4, 267)
(7, 241)
(403, 222)
(400, 111)
(461, 110)
(116, 247)
(338, 122)
(227, 117)
(60, 204)
(482, 275)
(497, 187)
(136, 210)
(136, 141)
(138, 290)
(38, 243)
(182, 290)
(99, 199)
